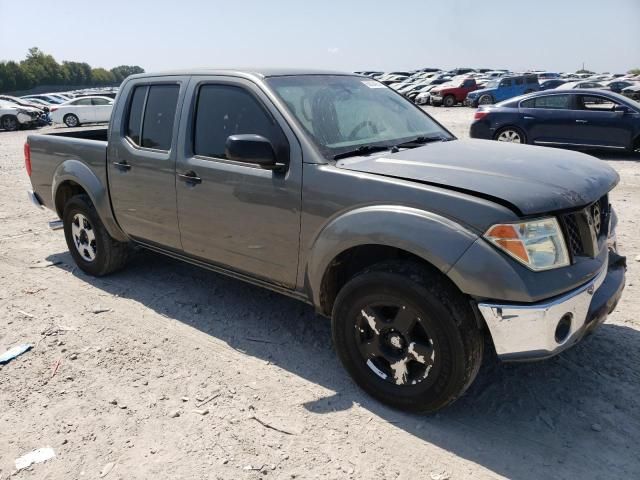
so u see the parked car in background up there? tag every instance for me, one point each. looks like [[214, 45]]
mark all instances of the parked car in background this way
[[632, 92], [548, 75], [40, 103], [573, 118], [424, 97], [618, 85], [452, 93], [24, 103], [41, 110], [14, 116], [552, 83], [585, 84], [83, 110], [460, 71], [503, 89], [50, 99]]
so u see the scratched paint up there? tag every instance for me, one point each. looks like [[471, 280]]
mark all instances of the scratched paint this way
[[371, 320]]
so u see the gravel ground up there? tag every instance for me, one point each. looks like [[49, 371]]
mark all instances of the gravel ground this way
[[165, 370]]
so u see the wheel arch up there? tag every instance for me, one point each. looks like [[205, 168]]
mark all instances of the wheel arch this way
[[369, 235], [73, 177]]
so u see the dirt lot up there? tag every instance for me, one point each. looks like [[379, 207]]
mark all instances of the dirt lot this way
[[136, 354]]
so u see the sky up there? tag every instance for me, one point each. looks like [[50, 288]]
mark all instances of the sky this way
[[554, 35]]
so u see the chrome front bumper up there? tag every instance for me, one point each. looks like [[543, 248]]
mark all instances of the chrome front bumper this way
[[541, 330]]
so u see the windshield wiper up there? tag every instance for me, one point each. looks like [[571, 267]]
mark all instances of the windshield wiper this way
[[361, 150], [422, 140]]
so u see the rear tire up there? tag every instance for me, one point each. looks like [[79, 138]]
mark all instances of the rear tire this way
[[449, 101], [423, 367], [9, 123], [89, 243], [71, 120], [510, 135]]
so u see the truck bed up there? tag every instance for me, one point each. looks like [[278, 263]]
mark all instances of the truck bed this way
[[77, 149], [93, 134]]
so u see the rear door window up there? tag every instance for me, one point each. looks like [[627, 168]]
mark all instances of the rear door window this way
[[100, 101], [506, 82], [519, 81], [152, 113], [559, 102]]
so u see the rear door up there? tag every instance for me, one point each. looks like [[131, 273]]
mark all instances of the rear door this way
[[548, 119], [83, 108], [238, 215], [142, 160], [599, 125], [102, 109]]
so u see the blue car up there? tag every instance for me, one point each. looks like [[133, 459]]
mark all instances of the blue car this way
[[571, 118], [502, 89]]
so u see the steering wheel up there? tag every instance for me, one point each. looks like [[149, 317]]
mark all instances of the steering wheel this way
[[360, 126]]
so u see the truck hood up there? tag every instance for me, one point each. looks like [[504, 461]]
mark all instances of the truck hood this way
[[529, 180]]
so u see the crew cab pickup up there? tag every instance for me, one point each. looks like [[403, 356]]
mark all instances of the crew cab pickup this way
[[451, 93], [337, 191]]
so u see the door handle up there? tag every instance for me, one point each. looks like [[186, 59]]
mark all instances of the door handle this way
[[581, 121], [122, 165], [529, 118], [190, 177]]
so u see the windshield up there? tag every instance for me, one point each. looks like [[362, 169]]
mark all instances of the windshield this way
[[492, 84], [343, 113]]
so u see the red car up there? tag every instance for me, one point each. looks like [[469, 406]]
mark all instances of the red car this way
[[449, 94]]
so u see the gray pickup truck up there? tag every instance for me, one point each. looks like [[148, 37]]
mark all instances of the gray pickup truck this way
[[335, 190]]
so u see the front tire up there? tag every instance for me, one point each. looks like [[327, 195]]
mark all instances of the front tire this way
[[89, 243], [9, 123], [449, 101], [407, 336], [485, 100], [71, 120]]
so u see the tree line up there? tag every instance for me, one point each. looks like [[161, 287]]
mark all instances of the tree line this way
[[39, 68]]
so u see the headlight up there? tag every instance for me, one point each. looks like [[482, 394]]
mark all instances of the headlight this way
[[538, 244]]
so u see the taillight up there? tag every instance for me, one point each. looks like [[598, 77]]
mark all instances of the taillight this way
[[480, 114], [27, 158]]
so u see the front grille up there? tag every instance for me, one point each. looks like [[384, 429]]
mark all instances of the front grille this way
[[585, 229], [574, 242]]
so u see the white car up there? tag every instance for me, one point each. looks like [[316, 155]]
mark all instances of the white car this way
[[82, 110], [14, 116]]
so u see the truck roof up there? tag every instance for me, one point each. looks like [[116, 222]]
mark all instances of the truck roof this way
[[243, 72]]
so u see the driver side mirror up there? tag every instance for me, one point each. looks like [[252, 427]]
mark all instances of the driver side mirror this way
[[621, 109], [250, 148]]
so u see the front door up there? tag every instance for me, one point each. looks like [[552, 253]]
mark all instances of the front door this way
[[238, 215], [142, 162], [601, 126]]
